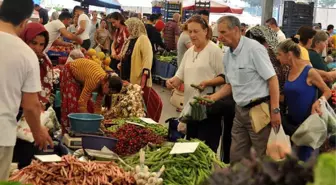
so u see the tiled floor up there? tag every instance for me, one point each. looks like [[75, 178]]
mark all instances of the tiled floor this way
[[168, 110]]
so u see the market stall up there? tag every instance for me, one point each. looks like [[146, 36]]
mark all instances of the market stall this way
[[165, 65]]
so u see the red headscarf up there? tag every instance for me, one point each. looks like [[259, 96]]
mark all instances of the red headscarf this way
[[30, 32]]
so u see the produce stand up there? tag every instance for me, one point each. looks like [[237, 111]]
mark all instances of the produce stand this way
[[165, 66]]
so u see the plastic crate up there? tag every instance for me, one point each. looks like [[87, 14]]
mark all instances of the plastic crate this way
[[171, 70], [57, 54], [161, 69]]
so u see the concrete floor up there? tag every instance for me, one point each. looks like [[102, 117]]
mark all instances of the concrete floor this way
[[168, 110]]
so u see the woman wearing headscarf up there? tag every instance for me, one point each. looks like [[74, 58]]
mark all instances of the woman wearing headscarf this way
[[37, 38], [268, 38], [137, 53]]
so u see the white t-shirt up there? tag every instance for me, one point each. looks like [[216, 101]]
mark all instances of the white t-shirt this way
[[86, 34], [281, 36], [53, 29], [197, 67], [19, 72]]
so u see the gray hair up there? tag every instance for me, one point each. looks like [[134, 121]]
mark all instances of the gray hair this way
[[54, 16], [320, 36], [230, 20]]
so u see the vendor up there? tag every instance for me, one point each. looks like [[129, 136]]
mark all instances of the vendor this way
[[79, 80], [36, 37]]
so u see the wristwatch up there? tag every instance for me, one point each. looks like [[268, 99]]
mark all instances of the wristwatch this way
[[276, 111]]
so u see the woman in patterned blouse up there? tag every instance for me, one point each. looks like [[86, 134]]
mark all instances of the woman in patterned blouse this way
[[79, 79]]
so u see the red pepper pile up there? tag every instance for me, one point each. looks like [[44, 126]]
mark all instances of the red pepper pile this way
[[131, 138]]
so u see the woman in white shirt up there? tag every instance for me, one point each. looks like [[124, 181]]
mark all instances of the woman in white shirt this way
[[201, 62]]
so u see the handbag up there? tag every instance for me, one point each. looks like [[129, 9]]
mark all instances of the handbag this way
[[177, 99]]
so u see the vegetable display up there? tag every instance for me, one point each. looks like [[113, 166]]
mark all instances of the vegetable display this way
[[268, 172], [131, 138], [128, 103], [186, 169], [71, 171], [158, 129]]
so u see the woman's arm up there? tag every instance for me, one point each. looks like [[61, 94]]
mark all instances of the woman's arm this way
[[85, 97], [98, 104], [146, 52], [315, 79]]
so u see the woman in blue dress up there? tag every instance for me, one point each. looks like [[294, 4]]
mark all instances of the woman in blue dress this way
[[300, 91]]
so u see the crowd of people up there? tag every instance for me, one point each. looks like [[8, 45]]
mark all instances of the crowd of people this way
[[259, 65]]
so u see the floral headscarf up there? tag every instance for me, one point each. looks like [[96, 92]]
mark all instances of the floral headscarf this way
[[136, 28], [46, 73], [266, 33]]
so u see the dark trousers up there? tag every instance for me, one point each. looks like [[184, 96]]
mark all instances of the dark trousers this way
[[114, 65], [86, 44]]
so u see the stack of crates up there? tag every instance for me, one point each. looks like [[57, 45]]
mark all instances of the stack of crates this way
[[199, 5], [296, 15], [169, 9]]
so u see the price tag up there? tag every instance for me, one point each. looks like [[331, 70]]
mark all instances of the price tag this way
[[148, 120], [48, 158], [184, 148]]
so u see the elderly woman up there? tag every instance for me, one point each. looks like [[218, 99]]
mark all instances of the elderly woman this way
[[79, 80], [300, 91], [204, 58], [137, 53]]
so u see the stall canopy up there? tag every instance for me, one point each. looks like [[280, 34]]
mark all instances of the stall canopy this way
[[215, 7], [113, 4]]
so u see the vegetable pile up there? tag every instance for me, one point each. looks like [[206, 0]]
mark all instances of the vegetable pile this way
[[131, 138], [128, 103], [268, 172], [72, 171], [186, 169], [158, 129]]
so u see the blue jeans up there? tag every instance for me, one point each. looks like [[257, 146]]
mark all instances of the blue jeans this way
[[304, 153]]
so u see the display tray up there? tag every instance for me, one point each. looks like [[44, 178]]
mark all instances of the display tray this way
[[57, 54]]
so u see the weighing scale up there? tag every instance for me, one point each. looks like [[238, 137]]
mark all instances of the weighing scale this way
[[73, 140]]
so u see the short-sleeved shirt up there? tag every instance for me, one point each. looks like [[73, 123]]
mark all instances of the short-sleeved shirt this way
[[53, 29], [182, 46], [44, 15], [19, 72], [248, 69], [304, 53], [170, 31], [197, 67], [317, 61], [281, 36], [86, 34]]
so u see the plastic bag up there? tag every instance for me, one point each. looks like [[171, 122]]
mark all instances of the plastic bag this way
[[328, 116], [312, 132], [75, 54], [278, 145], [193, 111], [48, 119]]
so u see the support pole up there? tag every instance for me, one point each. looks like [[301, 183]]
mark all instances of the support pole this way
[[267, 10]]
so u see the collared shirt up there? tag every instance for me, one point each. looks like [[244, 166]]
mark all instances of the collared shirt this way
[[170, 31], [247, 69]]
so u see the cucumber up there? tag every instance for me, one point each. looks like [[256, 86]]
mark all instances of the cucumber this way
[[204, 99], [197, 87]]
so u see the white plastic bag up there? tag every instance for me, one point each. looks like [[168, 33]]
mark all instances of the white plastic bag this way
[[328, 116], [312, 132], [278, 145], [47, 119]]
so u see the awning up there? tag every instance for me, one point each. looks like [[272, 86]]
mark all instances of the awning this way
[[216, 7], [113, 4]]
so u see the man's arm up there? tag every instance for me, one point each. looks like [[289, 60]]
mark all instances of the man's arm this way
[[274, 91], [225, 91], [65, 33], [82, 26], [59, 42]]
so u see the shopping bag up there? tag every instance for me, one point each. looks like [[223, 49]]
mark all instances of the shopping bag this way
[[48, 119], [278, 145], [177, 99], [98, 49], [312, 132], [328, 116], [260, 116]]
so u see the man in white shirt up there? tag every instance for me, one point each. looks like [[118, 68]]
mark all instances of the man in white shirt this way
[[84, 25], [272, 23], [19, 82], [57, 28]]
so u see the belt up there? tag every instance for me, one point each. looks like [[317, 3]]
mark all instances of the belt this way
[[256, 102]]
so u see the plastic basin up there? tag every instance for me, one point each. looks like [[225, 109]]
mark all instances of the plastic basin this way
[[98, 142], [84, 122]]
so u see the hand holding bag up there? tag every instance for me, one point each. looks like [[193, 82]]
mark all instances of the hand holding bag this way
[[278, 145]]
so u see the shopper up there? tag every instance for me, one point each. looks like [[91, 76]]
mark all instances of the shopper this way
[[160, 25], [94, 27], [249, 76], [137, 53], [44, 17], [84, 26], [319, 43], [171, 32], [272, 23], [120, 36], [300, 91], [102, 38], [268, 38], [330, 30], [79, 79], [201, 62], [306, 34], [20, 82], [57, 28], [243, 28], [54, 16], [183, 44], [205, 15], [153, 35]]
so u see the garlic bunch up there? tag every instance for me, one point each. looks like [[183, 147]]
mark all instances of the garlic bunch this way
[[144, 177]]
